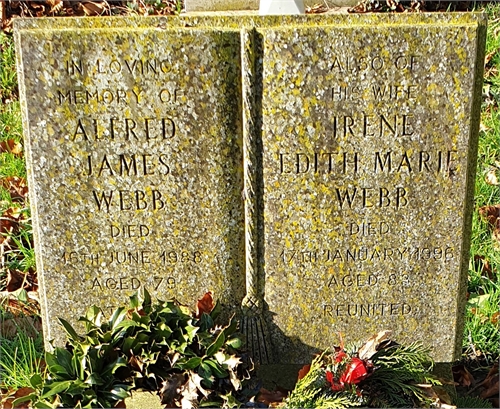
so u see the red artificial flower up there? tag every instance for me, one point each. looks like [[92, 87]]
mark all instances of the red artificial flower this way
[[356, 371], [334, 385], [340, 355]]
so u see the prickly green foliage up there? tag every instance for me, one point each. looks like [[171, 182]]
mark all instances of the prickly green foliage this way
[[141, 346]]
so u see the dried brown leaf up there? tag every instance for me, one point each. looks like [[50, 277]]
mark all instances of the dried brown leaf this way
[[2, 14], [15, 280], [317, 9], [491, 390], [495, 236], [11, 146], [92, 8], [19, 309], [303, 371], [489, 56], [372, 345], [483, 265], [189, 393], [136, 363], [483, 127], [442, 394], [491, 177], [171, 389], [9, 223], [55, 6], [16, 187], [495, 318], [120, 404], [204, 305], [491, 214], [462, 376], [271, 398], [19, 393]]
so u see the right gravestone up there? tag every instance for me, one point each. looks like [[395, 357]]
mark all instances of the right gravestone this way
[[369, 135]]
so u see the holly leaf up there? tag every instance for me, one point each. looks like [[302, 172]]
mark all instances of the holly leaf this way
[[189, 393], [170, 390]]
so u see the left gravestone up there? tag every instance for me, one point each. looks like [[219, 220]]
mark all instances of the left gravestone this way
[[134, 155]]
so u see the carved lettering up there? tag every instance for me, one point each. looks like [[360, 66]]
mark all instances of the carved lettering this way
[[127, 129]]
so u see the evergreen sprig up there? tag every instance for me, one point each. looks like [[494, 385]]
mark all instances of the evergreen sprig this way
[[399, 369], [312, 391], [394, 376]]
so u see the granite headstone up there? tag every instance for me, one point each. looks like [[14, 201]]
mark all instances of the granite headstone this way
[[134, 158], [318, 170]]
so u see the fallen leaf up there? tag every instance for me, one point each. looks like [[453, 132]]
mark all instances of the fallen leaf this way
[[495, 317], [170, 390], [9, 223], [316, 9], [16, 187], [204, 305], [483, 265], [11, 146], [373, 344], [120, 404], [92, 8], [189, 392], [483, 127], [136, 363], [491, 391], [19, 393], [490, 213], [56, 5], [15, 280], [491, 177], [462, 376], [271, 398], [443, 395], [487, 57], [303, 371]]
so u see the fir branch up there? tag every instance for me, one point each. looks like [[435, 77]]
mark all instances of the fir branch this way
[[312, 391], [308, 388], [397, 371]]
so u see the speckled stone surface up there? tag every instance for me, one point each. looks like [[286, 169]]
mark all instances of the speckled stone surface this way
[[134, 157], [224, 5], [369, 148], [365, 130]]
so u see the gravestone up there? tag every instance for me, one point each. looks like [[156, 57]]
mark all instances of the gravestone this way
[[135, 165], [324, 164], [369, 152]]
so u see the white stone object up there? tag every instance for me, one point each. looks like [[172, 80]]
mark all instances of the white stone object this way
[[269, 7]]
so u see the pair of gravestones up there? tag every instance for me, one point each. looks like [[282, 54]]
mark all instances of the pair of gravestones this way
[[314, 171]]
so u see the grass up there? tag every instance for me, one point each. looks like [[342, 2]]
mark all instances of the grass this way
[[21, 358], [482, 324]]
